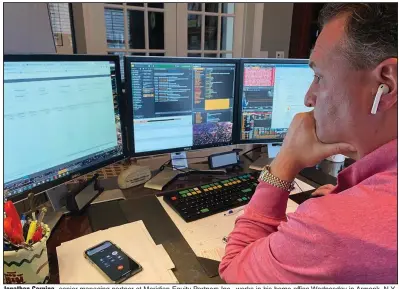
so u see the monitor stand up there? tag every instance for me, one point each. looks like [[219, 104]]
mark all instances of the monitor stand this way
[[272, 150], [57, 200], [168, 174]]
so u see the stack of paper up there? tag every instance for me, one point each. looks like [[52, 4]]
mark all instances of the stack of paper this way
[[133, 239], [205, 236]]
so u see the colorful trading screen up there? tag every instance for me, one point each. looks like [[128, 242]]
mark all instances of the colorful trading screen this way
[[183, 104], [271, 96]]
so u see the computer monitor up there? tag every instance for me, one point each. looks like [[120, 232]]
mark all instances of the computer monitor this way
[[61, 119], [180, 103], [271, 92]]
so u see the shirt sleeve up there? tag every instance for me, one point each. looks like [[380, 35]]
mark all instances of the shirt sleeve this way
[[266, 247]]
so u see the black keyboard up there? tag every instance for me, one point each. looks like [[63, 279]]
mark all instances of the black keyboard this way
[[205, 200]]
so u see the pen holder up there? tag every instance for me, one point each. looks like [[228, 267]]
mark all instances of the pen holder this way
[[28, 266]]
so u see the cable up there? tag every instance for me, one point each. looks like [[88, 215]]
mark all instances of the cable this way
[[170, 160], [190, 158], [161, 168], [298, 186], [195, 170], [247, 152]]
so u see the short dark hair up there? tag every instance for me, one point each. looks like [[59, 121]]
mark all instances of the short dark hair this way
[[371, 30]]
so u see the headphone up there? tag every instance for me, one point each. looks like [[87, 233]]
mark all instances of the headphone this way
[[382, 89]]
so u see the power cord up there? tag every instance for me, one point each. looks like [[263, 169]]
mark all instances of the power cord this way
[[298, 186], [251, 150], [195, 170]]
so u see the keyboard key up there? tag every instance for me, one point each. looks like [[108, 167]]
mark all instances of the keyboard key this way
[[199, 202]]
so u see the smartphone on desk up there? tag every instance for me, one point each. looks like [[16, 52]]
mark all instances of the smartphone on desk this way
[[116, 265]]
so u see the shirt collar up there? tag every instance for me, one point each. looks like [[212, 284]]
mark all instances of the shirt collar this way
[[382, 159]]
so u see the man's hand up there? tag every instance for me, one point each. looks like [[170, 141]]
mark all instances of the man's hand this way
[[301, 148], [323, 190]]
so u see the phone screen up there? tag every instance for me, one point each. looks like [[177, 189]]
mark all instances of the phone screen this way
[[112, 261]]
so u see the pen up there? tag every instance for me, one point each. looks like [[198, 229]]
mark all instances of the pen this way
[[32, 230], [26, 229], [23, 220], [31, 199], [229, 212], [37, 236], [41, 216], [232, 212]]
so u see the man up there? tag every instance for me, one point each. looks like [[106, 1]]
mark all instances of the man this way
[[350, 234]]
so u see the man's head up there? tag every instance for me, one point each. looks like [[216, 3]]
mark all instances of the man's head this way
[[355, 52]]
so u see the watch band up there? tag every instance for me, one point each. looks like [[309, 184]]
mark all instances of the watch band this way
[[267, 177]]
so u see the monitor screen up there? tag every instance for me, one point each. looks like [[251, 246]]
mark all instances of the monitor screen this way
[[60, 118], [181, 105], [271, 95]]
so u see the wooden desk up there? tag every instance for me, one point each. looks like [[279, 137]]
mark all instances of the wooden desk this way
[[72, 227]]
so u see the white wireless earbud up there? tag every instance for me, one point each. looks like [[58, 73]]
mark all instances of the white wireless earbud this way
[[382, 89]]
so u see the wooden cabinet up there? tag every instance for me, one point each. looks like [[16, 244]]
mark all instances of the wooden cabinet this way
[[304, 29]]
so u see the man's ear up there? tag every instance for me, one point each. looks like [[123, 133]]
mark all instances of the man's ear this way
[[387, 73]]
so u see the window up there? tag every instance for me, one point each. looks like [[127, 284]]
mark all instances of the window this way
[[210, 29], [60, 20], [135, 29]]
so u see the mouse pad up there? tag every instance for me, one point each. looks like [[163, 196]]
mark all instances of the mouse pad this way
[[318, 176], [102, 221], [211, 267], [302, 197]]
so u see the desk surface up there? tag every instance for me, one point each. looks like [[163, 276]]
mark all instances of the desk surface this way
[[72, 227]]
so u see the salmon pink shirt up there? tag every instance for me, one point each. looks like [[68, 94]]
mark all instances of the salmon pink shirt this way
[[348, 236]]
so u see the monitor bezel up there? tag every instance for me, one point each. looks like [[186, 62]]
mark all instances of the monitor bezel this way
[[122, 114], [128, 86], [244, 61]]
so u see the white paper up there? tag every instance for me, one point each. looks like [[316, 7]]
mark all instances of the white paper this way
[[205, 236], [133, 239]]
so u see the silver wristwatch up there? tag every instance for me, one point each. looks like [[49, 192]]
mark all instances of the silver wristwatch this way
[[267, 177]]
